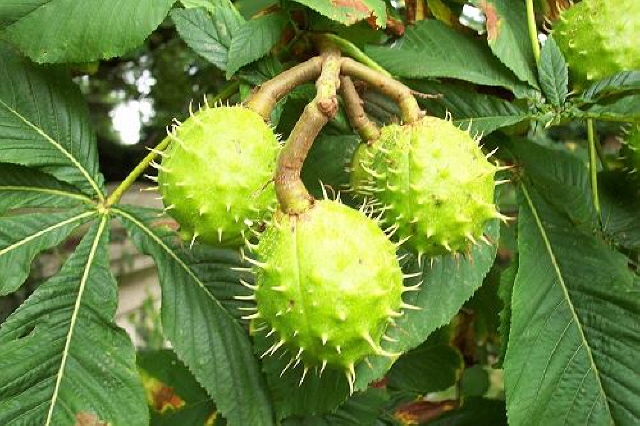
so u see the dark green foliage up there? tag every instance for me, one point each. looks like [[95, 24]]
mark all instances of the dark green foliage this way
[[536, 325]]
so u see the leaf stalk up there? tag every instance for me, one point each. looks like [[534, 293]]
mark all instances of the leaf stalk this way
[[533, 30], [593, 169]]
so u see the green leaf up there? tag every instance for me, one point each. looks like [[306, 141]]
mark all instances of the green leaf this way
[[507, 280], [627, 81], [553, 73], [71, 31], [253, 40], [574, 331], [474, 411], [349, 12], [620, 206], [10, 12], [448, 282], [450, 55], [433, 366], [249, 8], [481, 114], [62, 358], [508, 37], [203, 334], [168, 381], [316, 394], [25, 187], [22, 238], [209, 35], [44, 123], [561, 175], [221, 271], [328, 162], [624, 109], [363, 408]]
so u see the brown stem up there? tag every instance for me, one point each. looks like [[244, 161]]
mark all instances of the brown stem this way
[[410, 11], [291, 192], [394, 89], [358, 119], [265, 99]]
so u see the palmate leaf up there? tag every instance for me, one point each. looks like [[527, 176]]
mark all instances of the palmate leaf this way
[[62, 358], [349, 12], [23, 237], [451, 55], [73, 31], [433, 366], [26, 187], [208, 31], [479, 113], [44, 123], [173, 394], [508, 37], [575, 334], [626, 81], [553, 73], [361, 409], [620, 207], [624, 109], [253, 40], [314, 395], [448, 282], [474, 411], [328, 162], [204, 335]]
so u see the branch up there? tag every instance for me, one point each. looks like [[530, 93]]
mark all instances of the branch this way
[[265, 99], [291, 192], [349, 49], [397, 91], [358, 119]]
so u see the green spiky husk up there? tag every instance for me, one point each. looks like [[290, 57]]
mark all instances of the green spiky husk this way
[[329, 282], [630, 153], [599, 38], [216, 175], [433, 182]]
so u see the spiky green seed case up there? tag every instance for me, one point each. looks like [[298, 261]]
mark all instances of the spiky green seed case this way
[[431, 181], [599, 38], [215, 177], [328, 281]]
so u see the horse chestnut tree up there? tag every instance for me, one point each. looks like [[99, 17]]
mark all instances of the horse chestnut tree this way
[[412, 212]]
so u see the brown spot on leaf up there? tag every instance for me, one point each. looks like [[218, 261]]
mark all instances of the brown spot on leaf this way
[[89, 419], [419, 412], [164, 397], [359, 10], [358, 5], [493, 20], [160, 396]]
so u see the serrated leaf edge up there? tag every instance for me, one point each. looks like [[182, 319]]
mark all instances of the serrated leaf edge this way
[[74, 316], [168, 250], [556, 268], [44, 231], [60, 148]]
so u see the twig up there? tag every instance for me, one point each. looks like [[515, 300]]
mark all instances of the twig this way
[[349, 49], [291, 192], [397, 91], [358, 119], [265, 99]]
